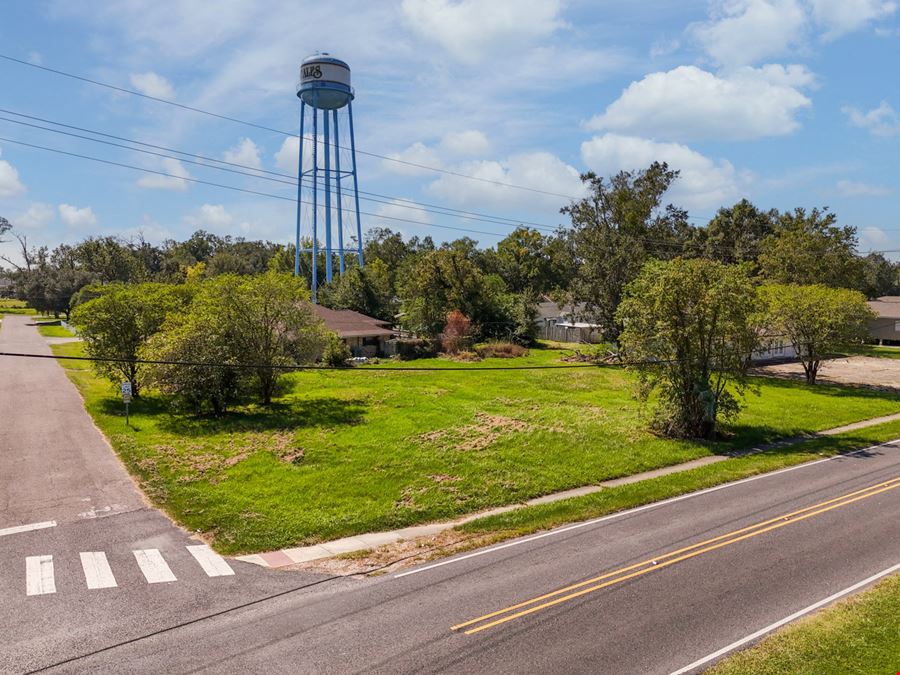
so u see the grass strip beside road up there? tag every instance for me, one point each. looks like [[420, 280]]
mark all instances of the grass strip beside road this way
[[345, 452], [531, 519], [858, 635], [51, 330]]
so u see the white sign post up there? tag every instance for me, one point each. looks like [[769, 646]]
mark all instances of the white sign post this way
[[126, 398]]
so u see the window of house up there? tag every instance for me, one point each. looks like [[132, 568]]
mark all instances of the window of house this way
[[897, 326]]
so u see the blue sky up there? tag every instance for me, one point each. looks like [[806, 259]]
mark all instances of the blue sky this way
[[786, 102]]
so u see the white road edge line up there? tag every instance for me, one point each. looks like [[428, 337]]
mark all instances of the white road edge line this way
[[97, 572], [27, 528], [212, 563], [786, 620], [638, 509], [39, 579], [156, 570]]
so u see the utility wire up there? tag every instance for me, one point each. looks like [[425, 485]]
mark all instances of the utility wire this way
[[275, 175], [660, 243], [274, 130]]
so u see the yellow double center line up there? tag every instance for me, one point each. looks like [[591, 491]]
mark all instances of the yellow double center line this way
[[653, 564]]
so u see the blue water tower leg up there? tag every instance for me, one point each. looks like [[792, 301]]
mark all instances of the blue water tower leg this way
[[328, 252], [314, 280], [359, 240], [340, 201], [299, 192]]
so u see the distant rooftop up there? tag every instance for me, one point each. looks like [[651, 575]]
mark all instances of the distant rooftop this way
[[886, 307], [347, 323]]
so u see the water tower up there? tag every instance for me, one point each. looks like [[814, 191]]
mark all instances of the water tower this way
[[325, 198]]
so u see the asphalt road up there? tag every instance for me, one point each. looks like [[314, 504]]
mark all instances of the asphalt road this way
[[655, 589]]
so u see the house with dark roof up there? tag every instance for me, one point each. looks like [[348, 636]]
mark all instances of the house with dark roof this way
[[365, 335], [886, 327]]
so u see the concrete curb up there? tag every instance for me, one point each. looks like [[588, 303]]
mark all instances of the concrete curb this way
[[360, 542]]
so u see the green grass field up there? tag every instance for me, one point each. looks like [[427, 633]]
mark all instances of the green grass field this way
[[873, 350], [860, 635], [344, 452], [55, 331], [10, 306]]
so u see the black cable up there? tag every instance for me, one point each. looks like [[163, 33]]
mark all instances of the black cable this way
[[273, 176]]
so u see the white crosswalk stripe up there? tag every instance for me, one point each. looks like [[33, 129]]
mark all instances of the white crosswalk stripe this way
[[39, 579], [212, 563], [156, 570], [97, 572]]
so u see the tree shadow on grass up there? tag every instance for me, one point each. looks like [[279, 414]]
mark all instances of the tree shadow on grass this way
[[327, 412]]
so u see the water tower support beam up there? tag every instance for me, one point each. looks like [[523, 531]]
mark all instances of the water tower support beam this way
[[340, 202], [359, 240], [314, 280], [299, 192], [328, 178]]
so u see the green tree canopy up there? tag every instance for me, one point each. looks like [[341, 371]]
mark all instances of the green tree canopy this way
[[688, 331], [810, 248], [816, 319], [735, 234], [615, 230]]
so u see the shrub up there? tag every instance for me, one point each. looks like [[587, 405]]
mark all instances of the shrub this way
[[457, 332], [408, 350], [501, 350], [336, 353]]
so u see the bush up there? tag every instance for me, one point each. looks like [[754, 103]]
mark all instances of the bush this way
[[408, 350], [336, 353], [457, 333], [501, 350]]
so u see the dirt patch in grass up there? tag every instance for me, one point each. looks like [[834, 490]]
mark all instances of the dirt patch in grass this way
[[486, 430], [399, 555]]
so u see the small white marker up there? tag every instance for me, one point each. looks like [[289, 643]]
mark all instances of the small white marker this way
[[212, 563], [97, 572], [39, 578], [154, 566]]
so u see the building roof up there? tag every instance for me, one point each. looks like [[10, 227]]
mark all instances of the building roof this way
[[886, 307], [347, 323], [548, 309]]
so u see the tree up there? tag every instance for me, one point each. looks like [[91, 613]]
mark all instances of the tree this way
[[118, 322], [615, 230], [735, 233], [688, 332], [816, 319], [880, 276], [268, 322], [524, 262], [5, 226], [457, 332], [367, 290], [810, 248]]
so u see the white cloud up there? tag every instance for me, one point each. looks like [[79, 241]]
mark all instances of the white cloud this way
[[848, 188], [703, 183], [152, 84], [539, 170], [245, 153], [688, 103], [742, 32], [210, 217], [75, 217], [35, 58], [174, 181], [470, 143], [839, 17], [872, 238], [472, 29], [417, 153], [881, 121], [10, 185], [403, 210], [286, 157], [38, 215]]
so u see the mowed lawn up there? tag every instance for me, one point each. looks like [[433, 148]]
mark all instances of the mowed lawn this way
[[345, 452]]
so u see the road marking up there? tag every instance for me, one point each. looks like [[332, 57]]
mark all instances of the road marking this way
[[212, 563], [27, 528], [154, 566], [638, 509], [786, 620], [97, 572], [654, 564], [39, 575]]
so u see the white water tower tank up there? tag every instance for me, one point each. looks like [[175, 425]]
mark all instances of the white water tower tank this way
[[324, 82]]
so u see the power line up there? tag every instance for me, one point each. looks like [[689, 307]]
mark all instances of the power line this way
[[275, 175], [274, 130], [652, 242]]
